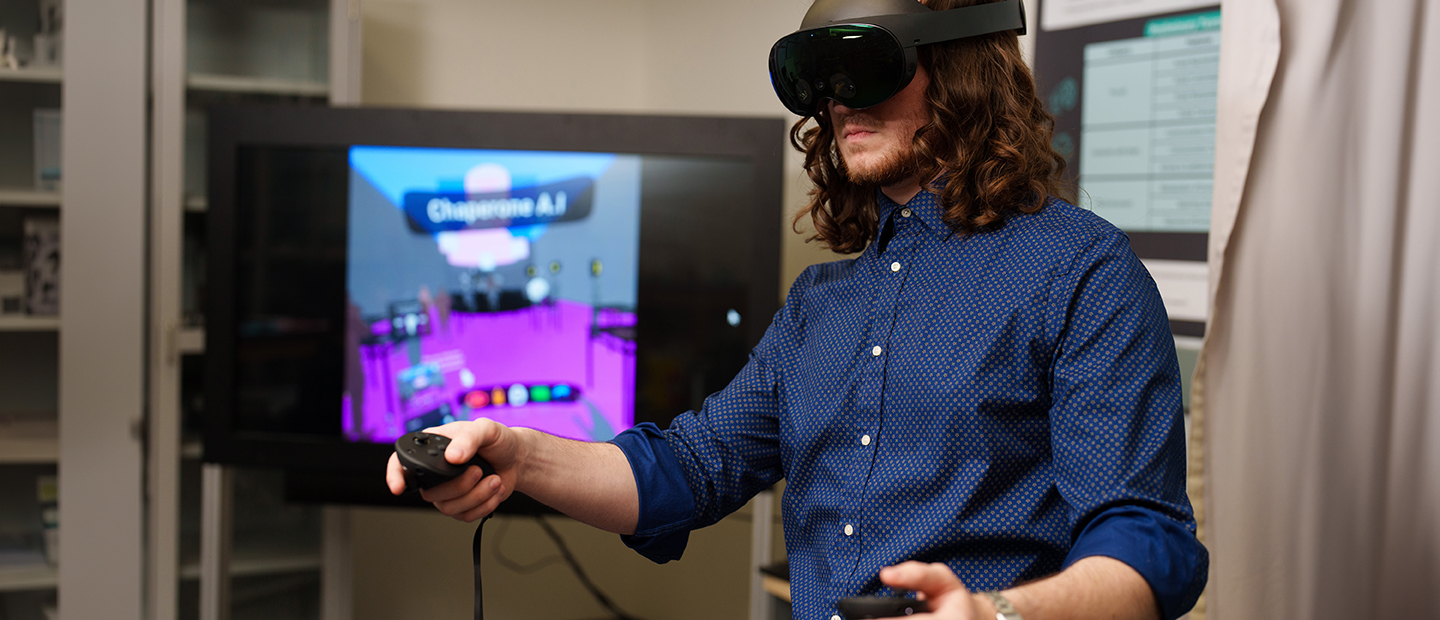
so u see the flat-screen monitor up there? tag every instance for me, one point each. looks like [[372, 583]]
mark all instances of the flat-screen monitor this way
[[378, 271]]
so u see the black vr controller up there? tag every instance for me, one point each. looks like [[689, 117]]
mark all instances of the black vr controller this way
[[858, 607], [422, 455]]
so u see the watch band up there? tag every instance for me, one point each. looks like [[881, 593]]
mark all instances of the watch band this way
[[1003, 609]]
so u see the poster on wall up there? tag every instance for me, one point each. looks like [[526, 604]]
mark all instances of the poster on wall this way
[[1062, 14], [1132, 86]]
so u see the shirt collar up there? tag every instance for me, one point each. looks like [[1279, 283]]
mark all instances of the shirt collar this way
[[925, 206]]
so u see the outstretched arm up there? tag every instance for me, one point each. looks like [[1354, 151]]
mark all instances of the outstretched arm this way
[[590, 482]]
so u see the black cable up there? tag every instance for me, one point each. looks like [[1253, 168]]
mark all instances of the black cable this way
[[579, 572], [475, 556]]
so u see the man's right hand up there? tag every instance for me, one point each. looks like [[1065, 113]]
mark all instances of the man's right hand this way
[[591, 482], [470, 496]]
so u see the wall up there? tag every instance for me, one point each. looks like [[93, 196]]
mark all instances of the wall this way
[[626, 56], [412, 564]]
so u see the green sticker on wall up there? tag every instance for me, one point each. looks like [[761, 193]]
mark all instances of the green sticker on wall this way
[[1184, 24]]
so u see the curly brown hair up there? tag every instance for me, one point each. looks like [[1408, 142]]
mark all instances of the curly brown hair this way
[[986, 146]]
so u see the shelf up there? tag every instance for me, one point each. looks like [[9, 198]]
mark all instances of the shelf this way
[[776, 587], [29, 452], [44, 577], [26, 323], [1190, 343], [29, 198], [28, 577], [32, 74], [260, 86], [15, 451], [29, 440], [260, 565]]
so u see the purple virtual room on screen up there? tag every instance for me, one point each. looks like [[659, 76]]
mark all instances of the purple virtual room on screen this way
[[496, 284]]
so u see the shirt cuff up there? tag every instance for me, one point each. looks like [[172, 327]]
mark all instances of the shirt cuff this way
[[667, 506], [1164, 551]]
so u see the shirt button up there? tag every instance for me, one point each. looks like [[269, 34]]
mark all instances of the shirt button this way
[[895, 266], [849, 529], [905, 212], [864, 440], [875, 351]]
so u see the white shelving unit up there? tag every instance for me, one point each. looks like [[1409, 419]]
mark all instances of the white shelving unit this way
[[199, 52], [205, 52], [29, 438]]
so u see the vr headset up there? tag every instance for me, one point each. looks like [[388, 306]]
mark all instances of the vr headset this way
[[861, 52]]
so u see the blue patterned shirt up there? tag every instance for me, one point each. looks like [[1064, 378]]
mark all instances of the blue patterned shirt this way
[[1006, 402]]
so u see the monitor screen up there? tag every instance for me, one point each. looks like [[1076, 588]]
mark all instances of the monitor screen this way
[[491, 283], [376, 272]]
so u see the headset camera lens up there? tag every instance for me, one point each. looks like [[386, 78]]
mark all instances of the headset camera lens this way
[[842, 86], [802, 91]]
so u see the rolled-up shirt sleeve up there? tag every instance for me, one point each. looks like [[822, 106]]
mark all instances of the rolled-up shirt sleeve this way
[[1162, 549], [667, 506], [1116, 424]]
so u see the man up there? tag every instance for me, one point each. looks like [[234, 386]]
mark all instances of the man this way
[[983, 407]]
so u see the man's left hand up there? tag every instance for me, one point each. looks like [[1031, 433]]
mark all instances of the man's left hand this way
[[949, 599]]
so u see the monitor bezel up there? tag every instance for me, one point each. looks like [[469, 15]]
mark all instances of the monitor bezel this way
[[759, 140]]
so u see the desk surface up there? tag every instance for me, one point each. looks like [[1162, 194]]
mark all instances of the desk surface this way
[[775, 578], [776, 587]]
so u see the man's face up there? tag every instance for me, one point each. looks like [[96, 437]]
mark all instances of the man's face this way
[[877, 143]]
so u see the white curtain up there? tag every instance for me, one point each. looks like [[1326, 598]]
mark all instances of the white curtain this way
[[1318, 393]]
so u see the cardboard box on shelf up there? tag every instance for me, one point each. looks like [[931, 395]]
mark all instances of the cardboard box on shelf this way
[[42, 265]]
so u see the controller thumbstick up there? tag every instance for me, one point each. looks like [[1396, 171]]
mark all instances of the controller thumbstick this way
[[427, 467]]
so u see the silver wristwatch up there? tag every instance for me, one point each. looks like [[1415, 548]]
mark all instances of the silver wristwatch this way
[[1003, 609]]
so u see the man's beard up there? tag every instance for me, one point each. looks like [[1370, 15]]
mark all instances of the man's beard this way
[[894, 168]]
